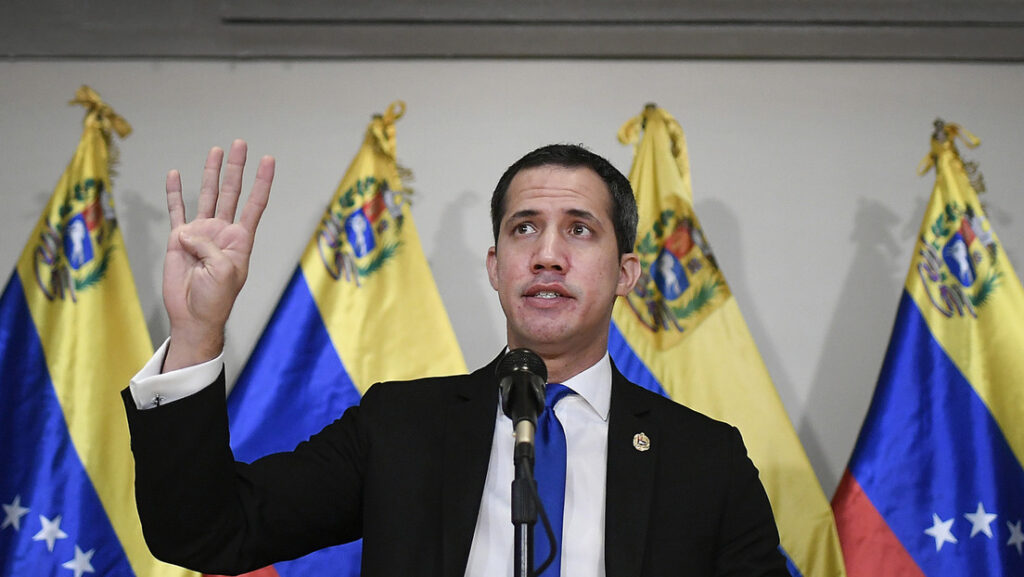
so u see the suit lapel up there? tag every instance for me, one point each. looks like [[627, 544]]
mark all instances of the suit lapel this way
[[630, 478], [469, 430]]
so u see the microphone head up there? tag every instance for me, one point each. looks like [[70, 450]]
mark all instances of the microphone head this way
[[522, 360], [521, 377]]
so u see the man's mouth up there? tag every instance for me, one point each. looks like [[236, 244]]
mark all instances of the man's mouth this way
[[548, 293]]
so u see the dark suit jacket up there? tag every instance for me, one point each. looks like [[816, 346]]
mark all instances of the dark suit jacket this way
[[405, 471]]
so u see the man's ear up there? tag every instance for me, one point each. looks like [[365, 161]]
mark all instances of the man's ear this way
[[492, 267], [629, 272]]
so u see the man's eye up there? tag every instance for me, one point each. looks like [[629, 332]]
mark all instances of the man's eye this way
[[580, 229], [524, 228]]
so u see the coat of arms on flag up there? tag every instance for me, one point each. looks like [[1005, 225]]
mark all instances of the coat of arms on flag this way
[[361, 230], [680, 282], [956, 260]]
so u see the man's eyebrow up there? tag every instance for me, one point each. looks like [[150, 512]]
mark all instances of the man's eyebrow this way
[[526, 213], [574, 212], [584, 214]]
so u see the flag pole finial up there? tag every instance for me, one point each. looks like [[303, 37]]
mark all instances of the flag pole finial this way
[[944, 138], [100, 114], [631, 130], [382, 128]]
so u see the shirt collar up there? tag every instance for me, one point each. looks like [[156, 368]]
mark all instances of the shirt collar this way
[[594, 385]]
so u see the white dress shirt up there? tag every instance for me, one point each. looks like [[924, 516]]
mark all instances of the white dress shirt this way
[[584, 417]]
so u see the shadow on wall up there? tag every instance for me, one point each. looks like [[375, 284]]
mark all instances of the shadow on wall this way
[[145, 245], [724, 235], [465, 299], [862, 322]]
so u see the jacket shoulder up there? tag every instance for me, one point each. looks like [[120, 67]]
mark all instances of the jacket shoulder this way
[[668, 411]]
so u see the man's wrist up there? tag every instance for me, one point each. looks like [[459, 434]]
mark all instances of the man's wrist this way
[[190, 346]]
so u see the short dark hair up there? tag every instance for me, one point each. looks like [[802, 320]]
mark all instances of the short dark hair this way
[[623, 213]]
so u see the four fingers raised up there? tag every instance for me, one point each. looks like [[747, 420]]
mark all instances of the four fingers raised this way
[[220, 199]]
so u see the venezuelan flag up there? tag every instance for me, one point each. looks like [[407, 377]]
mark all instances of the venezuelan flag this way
[[935, 485], [680, 333], [71, 334], [361, 307]]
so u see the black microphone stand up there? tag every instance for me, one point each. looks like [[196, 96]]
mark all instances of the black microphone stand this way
[[524, 503]]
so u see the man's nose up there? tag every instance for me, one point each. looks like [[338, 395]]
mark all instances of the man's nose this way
[[550, 252]]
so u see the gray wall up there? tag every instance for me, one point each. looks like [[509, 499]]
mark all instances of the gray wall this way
[[803, 172]]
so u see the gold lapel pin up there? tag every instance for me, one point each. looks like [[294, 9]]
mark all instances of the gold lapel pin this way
[[641, 442]]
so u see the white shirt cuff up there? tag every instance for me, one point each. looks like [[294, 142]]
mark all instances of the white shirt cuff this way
[[151, 389]]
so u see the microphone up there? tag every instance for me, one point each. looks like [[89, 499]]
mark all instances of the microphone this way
[[521, 377]]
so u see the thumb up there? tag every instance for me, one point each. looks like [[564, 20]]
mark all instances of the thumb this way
[[199, 247]]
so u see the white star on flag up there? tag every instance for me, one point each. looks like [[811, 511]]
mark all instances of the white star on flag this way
[[1016, 536], [81, 563], [50, 532], [13, 514], [941, 531], [981, 522]]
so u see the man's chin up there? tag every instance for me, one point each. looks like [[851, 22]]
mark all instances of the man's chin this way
[[551, 342]]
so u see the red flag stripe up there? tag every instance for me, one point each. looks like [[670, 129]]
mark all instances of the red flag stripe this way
[[869, 546]]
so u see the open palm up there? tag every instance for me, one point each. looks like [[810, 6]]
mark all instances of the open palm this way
[[207, 259]]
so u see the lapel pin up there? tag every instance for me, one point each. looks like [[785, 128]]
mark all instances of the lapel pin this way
[[641, 442]]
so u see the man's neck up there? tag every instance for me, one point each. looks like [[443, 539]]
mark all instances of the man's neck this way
[[563, 367]]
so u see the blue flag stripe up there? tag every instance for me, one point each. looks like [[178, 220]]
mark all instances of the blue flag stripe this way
[[948, 456], [39, 461], [294, 383], [629, 364], [338, 561], [634, 369], [790, 565]]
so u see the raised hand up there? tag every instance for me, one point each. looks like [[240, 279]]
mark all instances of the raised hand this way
[[208, 258]]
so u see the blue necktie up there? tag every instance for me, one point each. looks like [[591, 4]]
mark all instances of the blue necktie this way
[[549, 471]]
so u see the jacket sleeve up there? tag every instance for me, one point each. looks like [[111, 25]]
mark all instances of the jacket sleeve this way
[[203, 510], [749, 540]]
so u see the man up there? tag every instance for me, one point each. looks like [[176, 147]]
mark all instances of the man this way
[[421, 470]]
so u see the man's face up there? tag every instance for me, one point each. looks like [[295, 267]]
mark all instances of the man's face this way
[[556, 265]]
